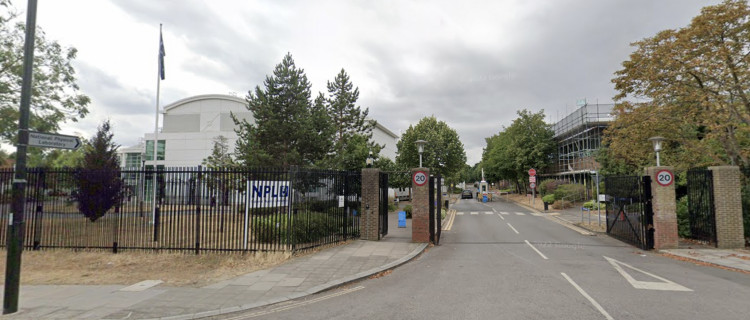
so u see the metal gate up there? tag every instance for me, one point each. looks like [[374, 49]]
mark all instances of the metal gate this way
[[701, 205], [630, 217], [435, 216], [384, 202]]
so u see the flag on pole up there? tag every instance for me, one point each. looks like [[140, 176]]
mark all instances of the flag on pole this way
[[161, 55]]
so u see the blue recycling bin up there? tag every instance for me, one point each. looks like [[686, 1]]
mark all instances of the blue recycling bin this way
[[484, 198], [402, 219]]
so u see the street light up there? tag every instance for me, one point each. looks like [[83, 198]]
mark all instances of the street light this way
[[420, 149], [369, 160], [657, 147]]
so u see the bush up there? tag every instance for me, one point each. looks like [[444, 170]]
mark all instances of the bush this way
[[307, 227], [569, 191], [683, 218], [549, 186], [408, 209], [562, 204], [391, 207], [591, 205], [550, 198]]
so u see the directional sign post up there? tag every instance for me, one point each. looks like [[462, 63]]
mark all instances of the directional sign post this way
[[532, 181], [51, 140]]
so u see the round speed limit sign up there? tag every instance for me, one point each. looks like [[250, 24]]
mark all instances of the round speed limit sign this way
[[664, 178], [420, 178]]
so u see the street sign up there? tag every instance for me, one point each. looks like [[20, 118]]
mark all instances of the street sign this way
[[532, 172], [532, 179], [420, 178], [664, 178], [532, 185], [51, 140]]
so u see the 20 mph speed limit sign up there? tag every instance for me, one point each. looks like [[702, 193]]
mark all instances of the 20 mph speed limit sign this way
[[420, 178], [664, 178]]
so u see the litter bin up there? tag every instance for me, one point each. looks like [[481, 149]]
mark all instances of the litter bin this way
[[546, 206], [446, 204]]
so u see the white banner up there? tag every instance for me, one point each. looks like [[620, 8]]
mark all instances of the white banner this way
[[267, 194]]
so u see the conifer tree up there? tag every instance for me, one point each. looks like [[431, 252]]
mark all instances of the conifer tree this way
[[99, 181]]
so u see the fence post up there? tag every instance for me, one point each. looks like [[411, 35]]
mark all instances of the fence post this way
[[199, 187], [293, 170], [730, 233], [369, 221]]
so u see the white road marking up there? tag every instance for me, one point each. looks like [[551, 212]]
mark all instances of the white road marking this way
[[588, 297], [501, 217], [505, 213], [535, 249], [488, 212], [473, 213], [514, 229], [460, 213], [664, 285], [536, 214], [520, 214], [298, 304]]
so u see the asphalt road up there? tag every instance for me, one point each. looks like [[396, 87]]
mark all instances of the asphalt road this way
[[499, 261]]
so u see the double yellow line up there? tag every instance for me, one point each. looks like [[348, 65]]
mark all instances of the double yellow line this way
[[449, 222]]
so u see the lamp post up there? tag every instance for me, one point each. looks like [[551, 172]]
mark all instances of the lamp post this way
[[420, 149], [657, 147], [369, 160]]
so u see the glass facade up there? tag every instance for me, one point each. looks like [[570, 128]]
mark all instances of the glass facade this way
[[133, 160], [159, 151]]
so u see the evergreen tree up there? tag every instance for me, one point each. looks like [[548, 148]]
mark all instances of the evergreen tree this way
[[284, 128], [99, 182]]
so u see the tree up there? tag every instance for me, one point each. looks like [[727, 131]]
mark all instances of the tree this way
[[220, 159], [55, 96], [444, 153], [99, 181], [352, 132], [696, 83], [284, 128], [220, 156]]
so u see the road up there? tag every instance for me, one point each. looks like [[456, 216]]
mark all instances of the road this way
[[499, 261]]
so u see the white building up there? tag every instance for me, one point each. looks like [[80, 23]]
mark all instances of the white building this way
[[191, 125]]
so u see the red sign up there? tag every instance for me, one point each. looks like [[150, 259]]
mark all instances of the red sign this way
[[420, 178], [664, 178], [532, 179], [532, 172]]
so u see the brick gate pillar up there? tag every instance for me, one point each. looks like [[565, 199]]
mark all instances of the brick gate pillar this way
[[664, 204], [728, 207], [420, 206], [369, 222]]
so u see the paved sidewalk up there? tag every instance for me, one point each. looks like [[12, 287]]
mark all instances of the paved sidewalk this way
[[296, 278]]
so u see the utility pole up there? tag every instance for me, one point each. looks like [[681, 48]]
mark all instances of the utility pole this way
[[16, 224]]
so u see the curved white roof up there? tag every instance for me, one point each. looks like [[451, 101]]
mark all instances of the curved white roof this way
[[187, 100]]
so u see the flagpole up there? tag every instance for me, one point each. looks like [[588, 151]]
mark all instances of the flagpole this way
[[159, 75]]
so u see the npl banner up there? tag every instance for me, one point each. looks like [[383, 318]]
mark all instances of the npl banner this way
[[268, 194]]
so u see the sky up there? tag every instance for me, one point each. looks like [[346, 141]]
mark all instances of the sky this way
[[471, 64]]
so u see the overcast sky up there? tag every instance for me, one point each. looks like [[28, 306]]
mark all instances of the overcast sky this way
[[471, 64]]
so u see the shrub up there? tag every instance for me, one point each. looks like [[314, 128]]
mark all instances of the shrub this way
[[391, 207], [683, 218], [306, 227], [562, 204], [569, 191], [408, 209], [550, 198], [549, 186], [591, 205]]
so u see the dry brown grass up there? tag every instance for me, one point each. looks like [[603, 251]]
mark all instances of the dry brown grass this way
[[77, 267]]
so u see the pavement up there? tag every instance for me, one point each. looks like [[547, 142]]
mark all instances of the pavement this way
[[296, 278], [732, 259]]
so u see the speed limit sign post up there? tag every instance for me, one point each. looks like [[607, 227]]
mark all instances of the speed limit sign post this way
[[664, 178]]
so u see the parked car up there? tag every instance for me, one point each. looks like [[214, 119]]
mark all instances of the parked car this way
[[467, 194]]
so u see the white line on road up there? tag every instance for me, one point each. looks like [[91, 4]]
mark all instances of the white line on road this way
[[501, 217], [473, 213], [488, 212], [493, 210], [587, 296], [514, 229], [505, 213], [460, 213], [665, 285], [520, 214], [535, 249]]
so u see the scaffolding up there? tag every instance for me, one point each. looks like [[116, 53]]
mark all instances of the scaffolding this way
[[578, 136]]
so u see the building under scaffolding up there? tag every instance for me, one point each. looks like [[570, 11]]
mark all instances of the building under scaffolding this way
[[578, 137]]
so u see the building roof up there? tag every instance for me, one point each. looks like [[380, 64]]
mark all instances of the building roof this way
[[202, 97]]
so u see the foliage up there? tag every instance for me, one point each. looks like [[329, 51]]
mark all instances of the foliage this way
[[569, 191], [562, 204], [220, 156], [696, 84], [550, 198], [549, 186], [285, 131], [408, 209], [99, 182], [444, 153], [591, 205], [683, 218], [306, 227], [526, 144], [55, 96]]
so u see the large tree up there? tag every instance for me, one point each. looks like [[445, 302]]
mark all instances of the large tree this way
[[55, 96], [695, 82], [285, 132], [98, 178], [444, 153]]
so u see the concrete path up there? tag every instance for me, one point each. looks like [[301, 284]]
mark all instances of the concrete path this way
[[296, 278]]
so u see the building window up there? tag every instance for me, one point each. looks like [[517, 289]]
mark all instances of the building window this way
[[159, 152], [133, 160]]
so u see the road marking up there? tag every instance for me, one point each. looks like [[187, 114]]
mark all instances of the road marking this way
[[460, 213], [588, 297], [520, 214], [488, 212], [473, 213], [451, 219], [505, 213], [514, 229], [493, 210], [535, 249], [536, 214], [298, 304], [664, 285], [501, 217]]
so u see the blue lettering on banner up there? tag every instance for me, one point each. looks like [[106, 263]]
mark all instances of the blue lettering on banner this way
[[269, 194]]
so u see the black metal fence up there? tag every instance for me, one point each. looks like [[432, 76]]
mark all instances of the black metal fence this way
[[629, 212], [435, 215], [746, 203], [383, 205], [701, 214], [193, 209]]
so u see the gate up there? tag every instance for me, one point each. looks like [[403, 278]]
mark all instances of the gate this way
[[630, 217], [701, 205], [435, 198], [384, 202]]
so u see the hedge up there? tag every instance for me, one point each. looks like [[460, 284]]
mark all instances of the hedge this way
[[307, 227]]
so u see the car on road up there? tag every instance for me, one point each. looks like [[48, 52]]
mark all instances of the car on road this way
[[467, 194]]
